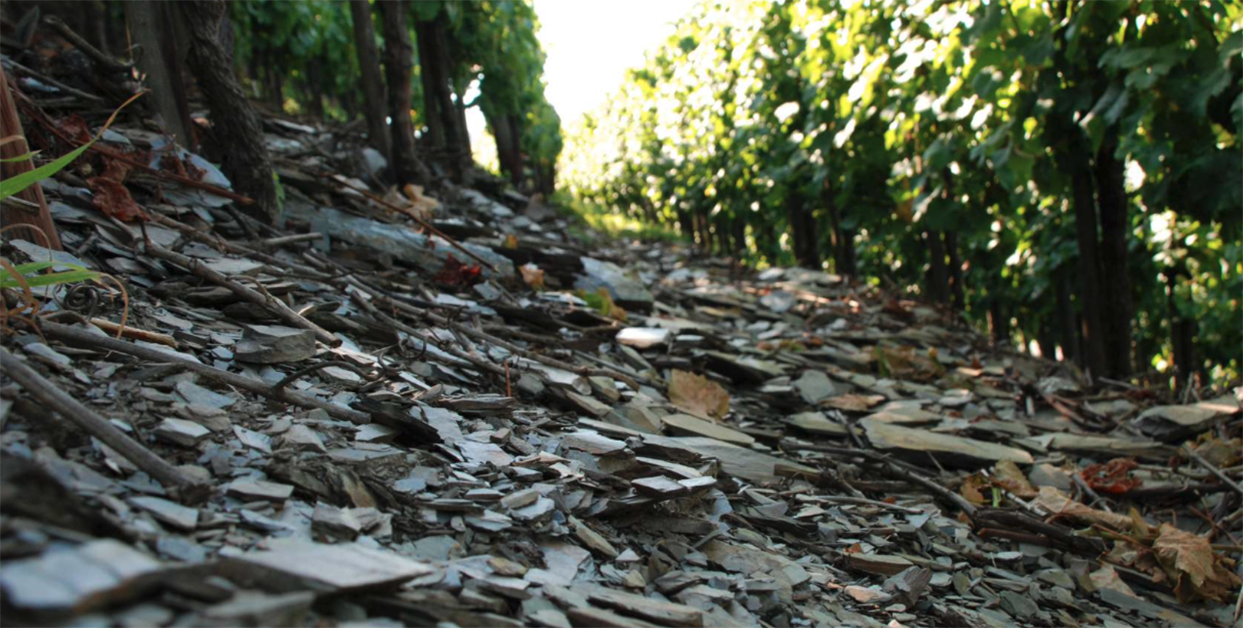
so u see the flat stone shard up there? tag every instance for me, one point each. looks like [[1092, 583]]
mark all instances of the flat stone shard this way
[[77, 579], [738, 461], [272, 344], [625, 289], [181, 432], [1172, 422], [172, 513], [327, 568], [259, 489], [249, 608], [665, 613], [879, 564], [948, 449], [642, 337], [687, 424]]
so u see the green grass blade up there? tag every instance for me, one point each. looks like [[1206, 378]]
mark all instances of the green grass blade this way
[[12, 186], [53, 279]]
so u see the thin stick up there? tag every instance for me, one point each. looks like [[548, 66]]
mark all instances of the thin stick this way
[[1226, 524], [135, 333], [1214, 470], [54, 398], [72, 91], [289, 239], [77, 336], [427, 339], [294, 376], [275, 306], [508, 346], [896, 469], [1083, 486], [85, 46], [224, 246]]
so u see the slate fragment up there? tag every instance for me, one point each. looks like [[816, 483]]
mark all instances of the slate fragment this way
[[273, 344]]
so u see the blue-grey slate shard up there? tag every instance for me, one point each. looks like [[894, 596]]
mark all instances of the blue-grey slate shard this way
[[401, 242], [623, 287]]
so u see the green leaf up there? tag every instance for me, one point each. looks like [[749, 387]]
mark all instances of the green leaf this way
[[1231, 48], [54, 279], [26, 157], [426, 11], [13, 185], [78, 274], [33, 267], [1237, 108]]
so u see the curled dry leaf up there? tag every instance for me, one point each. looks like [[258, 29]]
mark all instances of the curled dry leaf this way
[[1189, 560], [1008, 476], [1111, 477], [111, 196], [1059, 504], [973, 488], [698, 395]]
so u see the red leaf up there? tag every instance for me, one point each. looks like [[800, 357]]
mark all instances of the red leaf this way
[[111, 196], [1111, 477], [76, 128], [457, 274]]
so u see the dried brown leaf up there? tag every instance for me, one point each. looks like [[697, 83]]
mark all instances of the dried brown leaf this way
[[698, 395], [1008, 476], [1189, 559], [532, 275], [1059, 504]]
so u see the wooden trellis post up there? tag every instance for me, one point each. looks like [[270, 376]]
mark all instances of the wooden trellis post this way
[[34, 211]]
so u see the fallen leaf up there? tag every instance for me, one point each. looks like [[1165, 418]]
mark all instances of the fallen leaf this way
[[972, 488], [602, 301], [455, 273], [1059, 504], [532, 275], [75, 127], [698, 395], [412, 202], [852, 402], [419, 202], [1111, 477], [1107, 578], [511, 242], [1008, 476], [905, 363], [1189, 559], [1218, 452], [111, 196]]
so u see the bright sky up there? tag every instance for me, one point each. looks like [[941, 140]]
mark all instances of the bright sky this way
[[590, 44]]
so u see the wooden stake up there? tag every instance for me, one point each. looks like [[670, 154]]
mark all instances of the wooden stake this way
[[42, 217]]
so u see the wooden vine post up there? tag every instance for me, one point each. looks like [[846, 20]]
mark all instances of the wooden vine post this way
[[34, 210]]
